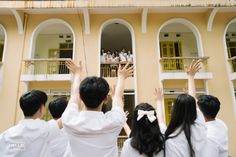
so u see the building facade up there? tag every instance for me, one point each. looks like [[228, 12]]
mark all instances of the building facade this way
[[159, 37]]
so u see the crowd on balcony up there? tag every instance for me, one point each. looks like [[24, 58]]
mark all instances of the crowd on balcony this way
[[115, 57]]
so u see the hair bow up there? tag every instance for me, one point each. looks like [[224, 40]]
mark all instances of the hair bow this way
[[150, 115]]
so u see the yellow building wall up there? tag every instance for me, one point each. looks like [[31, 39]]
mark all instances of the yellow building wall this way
[[219, 85], [87, 49], [10, 72]]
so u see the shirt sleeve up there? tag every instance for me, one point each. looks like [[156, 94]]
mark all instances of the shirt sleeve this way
[[116, 117], [125, 150], [53, 129], [70, 112], [162, 127], [210, 149], [199, 132], [172, 150]]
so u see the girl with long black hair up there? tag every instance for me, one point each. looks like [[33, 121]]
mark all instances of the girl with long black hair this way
[[186, 133]]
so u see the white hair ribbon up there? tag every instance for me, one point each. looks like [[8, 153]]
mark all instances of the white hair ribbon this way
[[150, 115]]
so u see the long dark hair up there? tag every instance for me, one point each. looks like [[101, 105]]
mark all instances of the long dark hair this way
[[183, 116], [146, 137]]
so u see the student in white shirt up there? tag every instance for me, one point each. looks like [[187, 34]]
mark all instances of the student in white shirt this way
[[60, 143], [122, 57], [130, 57], [186, 133], [91, 132], [31, 136], [109, 56], [146, 138], [217, 131]]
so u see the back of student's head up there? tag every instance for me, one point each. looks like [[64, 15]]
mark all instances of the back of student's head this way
[[57, 107], [183, 115], [146, 135], [93, 90], [209, 105], [31, 102]]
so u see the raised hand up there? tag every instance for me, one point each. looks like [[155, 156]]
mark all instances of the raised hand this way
[[194, 67], [126, 71], [73, 67], [158, 94], [126, 115], [77, 71], [112, 91], [191, 71]]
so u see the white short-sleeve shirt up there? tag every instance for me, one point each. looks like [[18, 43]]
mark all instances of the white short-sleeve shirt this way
[[59, 144], [129, 151], [178, 146], [29, 138], [93, 133], [217, 139]]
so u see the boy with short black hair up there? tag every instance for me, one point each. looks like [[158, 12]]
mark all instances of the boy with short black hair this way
[[217, 131], [90, 131], [60, 143], [31, 136], [57, 107]]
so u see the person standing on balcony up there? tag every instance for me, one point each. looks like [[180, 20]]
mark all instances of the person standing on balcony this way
[[146, 136], [117, 56], [217, 131], [123, 56], [186, 133], [109, 56], [32, 136], [90, 131], [130, 57], [104, 57], [60, 143]]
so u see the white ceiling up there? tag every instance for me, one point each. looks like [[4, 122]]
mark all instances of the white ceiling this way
[[115, 29], [176, 27], [1, 31], [115, 37], [56, 29], [232, 27]]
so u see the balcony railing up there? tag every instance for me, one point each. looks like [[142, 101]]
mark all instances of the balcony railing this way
[[232, 62], [46, 66], [176, 64], [109, 69], [120, 142]]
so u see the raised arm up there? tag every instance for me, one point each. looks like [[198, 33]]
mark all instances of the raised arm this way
[[191, 71], [123, 73], [126, 126], [77, 72], [158, 94]]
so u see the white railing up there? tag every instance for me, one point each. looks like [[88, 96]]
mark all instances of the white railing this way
[[177, 64], [109, 69], [46, 66], [232, 62]]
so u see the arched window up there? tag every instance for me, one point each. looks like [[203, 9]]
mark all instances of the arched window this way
[[2, 42], [179, 42], [52, 44], [117, 46]]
